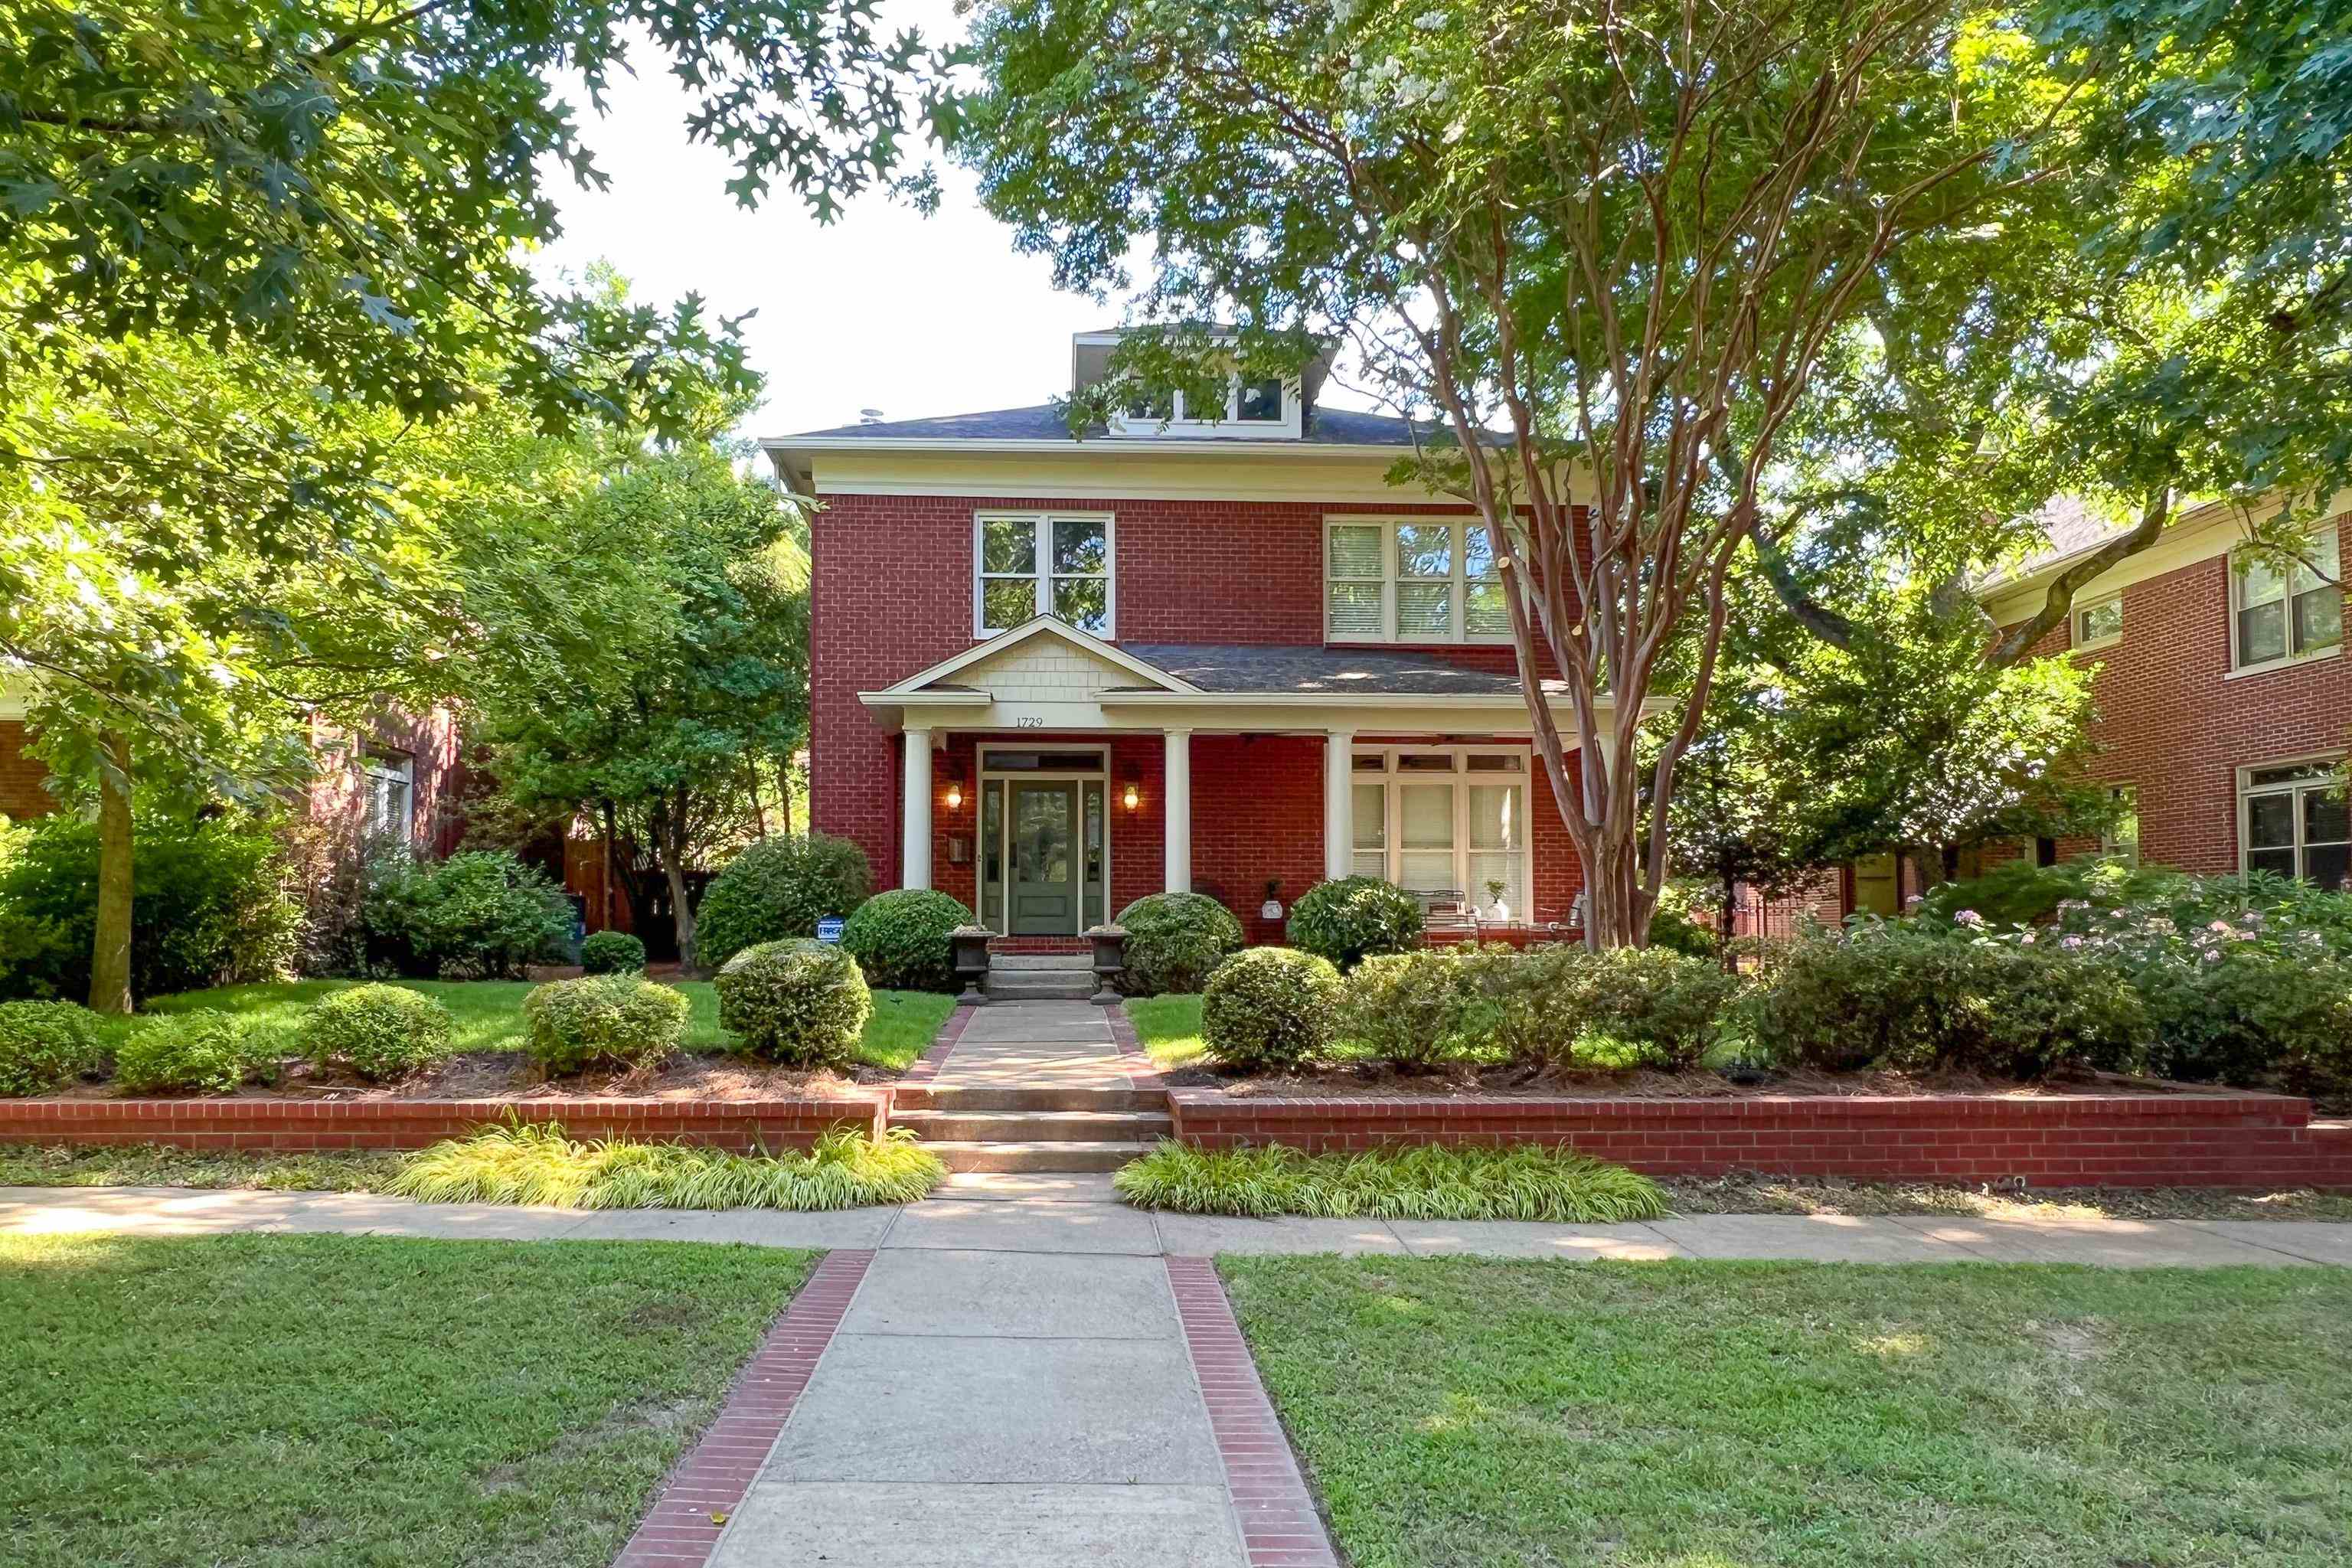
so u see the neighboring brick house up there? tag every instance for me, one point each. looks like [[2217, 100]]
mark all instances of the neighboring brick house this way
[[1051, 676], [403, 778], [2224, 704]]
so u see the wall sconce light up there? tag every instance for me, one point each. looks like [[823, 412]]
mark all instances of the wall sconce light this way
[[955, 794], [1131, 796]]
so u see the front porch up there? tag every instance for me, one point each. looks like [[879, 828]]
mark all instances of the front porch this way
[[1048, 779]]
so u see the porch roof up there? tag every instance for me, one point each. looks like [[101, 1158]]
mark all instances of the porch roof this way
[[1310, 670]]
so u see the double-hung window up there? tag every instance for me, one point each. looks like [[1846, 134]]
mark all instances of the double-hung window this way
[[1449, 820], [2279, 616], [2294, 820], [1411, 579], [1042, 563], [389, 783]]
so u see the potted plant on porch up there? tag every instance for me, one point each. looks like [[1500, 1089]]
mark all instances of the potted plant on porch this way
[[971, 950], [1496, 910]]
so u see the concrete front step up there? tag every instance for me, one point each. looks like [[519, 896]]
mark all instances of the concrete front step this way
[[1004, 963], [1034, 1126], [1103, 1155], [943, 1094]]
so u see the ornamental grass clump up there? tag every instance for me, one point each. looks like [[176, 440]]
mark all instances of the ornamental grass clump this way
[[534, 1162], [1524, 1182]]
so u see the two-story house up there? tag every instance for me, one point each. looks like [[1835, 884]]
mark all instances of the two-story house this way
[[2224, 704], [1212, 649]]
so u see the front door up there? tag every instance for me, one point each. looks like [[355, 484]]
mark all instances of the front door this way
[[1044, 890]]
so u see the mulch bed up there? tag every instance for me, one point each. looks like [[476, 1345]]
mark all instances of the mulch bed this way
[[509, 1075]]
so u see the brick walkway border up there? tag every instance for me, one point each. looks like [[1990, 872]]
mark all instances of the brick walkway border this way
[[1133, 1061], [679, 1531], [1280, 1528]]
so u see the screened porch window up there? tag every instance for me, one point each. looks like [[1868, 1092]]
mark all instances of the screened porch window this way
[[1446, 820]]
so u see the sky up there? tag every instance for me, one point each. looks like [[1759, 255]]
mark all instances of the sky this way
[[884, 308]]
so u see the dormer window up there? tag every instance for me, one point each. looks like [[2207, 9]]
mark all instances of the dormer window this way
[[1257, 406]]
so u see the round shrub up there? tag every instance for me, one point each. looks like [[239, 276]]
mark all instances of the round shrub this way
[[900, 940], [603, 1020], [476, 915], [1417, 1009], [775, 889], [1174, 941], [45, 1045], [797, 1001], [211, 1053], [1355, 918], [612, 953], [1269, 1007], [379, 1032]]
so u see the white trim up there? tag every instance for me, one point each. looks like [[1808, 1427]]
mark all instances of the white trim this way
[[1041, 573], [1038, 626], [2246, 793], [2273, 666], [2083, 607], [1391, 576], [1004, 846]]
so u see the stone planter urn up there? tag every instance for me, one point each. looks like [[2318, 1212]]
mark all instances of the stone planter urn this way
[[1110, 962], [970, 945]]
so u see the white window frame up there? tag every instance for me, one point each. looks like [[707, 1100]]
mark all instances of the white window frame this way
[[1391, 780], [1391, 578], [1042, 573], [2081, 644], [2322, 547], [381, 771], [1228, 423], [2247, 791]]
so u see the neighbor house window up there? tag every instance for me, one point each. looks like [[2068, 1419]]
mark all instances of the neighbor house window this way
[[1445, 821], [1043, 563], [2100, 621], [389, 781], [2293, 820], [2291, 613], [1412, 580], [2120, 840]]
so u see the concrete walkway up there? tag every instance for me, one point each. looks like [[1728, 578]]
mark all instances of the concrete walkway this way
[[1020, 1213]]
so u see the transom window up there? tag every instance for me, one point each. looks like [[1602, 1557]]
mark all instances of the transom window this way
[[2294, 820], [1446, 820], [389, 780], [2100, 621], [2288, 615], [1412, 580], [1042, 563]]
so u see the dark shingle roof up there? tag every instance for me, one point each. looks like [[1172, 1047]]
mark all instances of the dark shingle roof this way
[[1323, 671], [1046, 422]]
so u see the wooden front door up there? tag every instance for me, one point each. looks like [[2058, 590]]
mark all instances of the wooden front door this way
[[1046, 859]]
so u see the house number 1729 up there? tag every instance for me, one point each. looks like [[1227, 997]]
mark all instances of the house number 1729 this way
[[1029, 723]]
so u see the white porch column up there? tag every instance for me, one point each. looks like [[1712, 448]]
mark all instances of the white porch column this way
[[1338, 803], [1178, 814], [915, 835]]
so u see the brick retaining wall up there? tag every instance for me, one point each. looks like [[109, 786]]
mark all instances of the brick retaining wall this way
[[2218, 1140], [742, 1125]]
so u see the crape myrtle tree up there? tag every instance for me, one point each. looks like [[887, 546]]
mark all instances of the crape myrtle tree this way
[[1605, 242]]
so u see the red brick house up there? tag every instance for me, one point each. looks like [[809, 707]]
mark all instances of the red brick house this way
[[1205, 649], [2225, 705]]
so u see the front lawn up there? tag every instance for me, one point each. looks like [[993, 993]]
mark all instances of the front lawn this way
[[1458, 1412], [293, 1402], [489, 1014], [1168, 1027]]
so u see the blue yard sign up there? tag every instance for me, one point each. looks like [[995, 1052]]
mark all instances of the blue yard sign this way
[[829, 928]]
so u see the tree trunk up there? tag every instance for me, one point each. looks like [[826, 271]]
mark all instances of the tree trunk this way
[[110, 959], [669, 835], [784, 794], [1617, 906], [1723, 932]]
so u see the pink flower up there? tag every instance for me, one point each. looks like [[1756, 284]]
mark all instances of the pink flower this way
[[1967, 917]]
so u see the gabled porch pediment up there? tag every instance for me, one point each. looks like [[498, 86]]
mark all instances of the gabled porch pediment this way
[[1041, 664]]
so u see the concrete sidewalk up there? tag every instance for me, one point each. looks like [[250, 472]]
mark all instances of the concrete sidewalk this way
[[1077, 1214]]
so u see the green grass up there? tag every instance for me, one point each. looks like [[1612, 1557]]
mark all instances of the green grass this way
[[1168, 1028], [488, 1014], [1457, 1412], [535, 1163], [302, 1401], [1429, 1181]]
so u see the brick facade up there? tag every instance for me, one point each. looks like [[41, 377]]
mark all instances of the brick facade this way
[[2140, 1141], [892, 593], [22, 792]]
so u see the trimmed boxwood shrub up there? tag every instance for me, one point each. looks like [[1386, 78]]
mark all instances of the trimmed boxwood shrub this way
[[1174, 941], [1637, 1006], [379, 1032], [612, 953], [1269, 1007], [777, 888], [603, 1020], [797, 1001], [2247, 1018], [1354, 918], [211, 1053], [900, 940], [45, 1046], [482, 914], [1420, 1008]]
